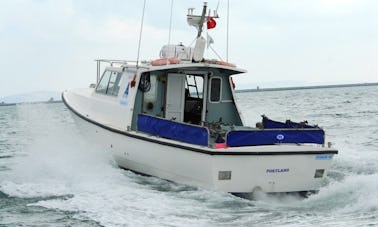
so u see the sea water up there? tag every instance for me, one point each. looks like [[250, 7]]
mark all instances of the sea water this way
[[51, 176]]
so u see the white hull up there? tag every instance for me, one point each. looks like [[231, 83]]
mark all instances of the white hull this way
[[284, 168]]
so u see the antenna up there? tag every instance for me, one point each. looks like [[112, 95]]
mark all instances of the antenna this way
[[228, 19], [170, 24], [216, 10], [140, 34]]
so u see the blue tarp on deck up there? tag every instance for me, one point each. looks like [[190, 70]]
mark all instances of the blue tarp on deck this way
[[173, 130], [269, 137], [270, 124]]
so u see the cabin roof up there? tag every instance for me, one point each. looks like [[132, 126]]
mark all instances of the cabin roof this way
[[146, 66], [198, 66]]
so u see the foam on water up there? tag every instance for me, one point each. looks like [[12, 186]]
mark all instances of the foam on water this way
[[55, 169], [69, 174], [53, 153]]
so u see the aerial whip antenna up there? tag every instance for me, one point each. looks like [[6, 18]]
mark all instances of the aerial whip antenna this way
[[228, 19], [170, 24], [140, 33]]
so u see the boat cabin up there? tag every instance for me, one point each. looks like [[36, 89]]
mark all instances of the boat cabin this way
[[197, 96], [189, 95]]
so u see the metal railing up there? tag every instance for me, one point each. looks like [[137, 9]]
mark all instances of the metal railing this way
[[112, 62]]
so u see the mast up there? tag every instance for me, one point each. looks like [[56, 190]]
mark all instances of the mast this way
[[198, 21], [202, 20]]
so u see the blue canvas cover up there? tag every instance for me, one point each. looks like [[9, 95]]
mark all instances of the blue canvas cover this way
[[173, 130], [270, 137], [270, 124]]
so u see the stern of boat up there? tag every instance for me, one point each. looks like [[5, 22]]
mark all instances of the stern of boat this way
[[274, 172]]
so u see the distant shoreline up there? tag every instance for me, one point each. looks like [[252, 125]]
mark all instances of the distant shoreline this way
[[307, 87], [23, 103]]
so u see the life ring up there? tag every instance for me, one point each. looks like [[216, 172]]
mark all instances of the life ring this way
[[174, 60], [224, 63], [165, 61]]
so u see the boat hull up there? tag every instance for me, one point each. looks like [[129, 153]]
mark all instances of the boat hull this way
[[277, 168]]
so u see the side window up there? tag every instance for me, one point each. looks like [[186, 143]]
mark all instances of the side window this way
[[109, 83], [103, 85], [113, 87], [215, 89]]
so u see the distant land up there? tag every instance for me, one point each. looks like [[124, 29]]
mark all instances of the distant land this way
[[32, 97], [25, 103], [257, 89]]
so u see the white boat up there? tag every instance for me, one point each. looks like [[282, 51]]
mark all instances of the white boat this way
[[176, 118]]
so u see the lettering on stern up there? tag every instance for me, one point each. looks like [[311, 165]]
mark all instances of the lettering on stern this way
[[278, 170]]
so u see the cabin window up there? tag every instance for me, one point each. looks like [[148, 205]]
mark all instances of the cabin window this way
[[215, 89], [194, 86], [193, 99], [114, 81], [103, 85], [109, 83]]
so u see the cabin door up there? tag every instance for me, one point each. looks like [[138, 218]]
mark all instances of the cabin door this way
[[174, 106]]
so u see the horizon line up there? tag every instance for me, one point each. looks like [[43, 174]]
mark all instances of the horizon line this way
[[257, 89]]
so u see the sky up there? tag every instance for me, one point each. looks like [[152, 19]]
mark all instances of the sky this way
[[51, 44]]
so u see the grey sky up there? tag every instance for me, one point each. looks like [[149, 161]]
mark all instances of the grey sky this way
[[51, 44]]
